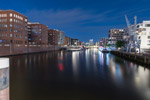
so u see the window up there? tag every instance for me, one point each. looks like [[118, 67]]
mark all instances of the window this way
[[144, 29], [147, 25], [10, 20], [3, 20], [10, 35], [10, 14], [139, 37], [5, 25], [10, 25], [26, 20], [148, 42], [10, 30], [148, 37], [3, 15]]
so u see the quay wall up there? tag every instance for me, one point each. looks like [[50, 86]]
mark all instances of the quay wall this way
[[6, 51], [143, 59]]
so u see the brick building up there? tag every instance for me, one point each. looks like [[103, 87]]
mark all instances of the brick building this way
[[52, 37], [38, 37], [67, 41], [13, 32]]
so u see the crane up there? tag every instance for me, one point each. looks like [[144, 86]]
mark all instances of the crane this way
[[132, 32]]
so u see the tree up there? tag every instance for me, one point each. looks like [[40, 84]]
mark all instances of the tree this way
[[120, 44]]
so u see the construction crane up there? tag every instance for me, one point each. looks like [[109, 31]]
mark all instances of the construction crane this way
[[131, 29]]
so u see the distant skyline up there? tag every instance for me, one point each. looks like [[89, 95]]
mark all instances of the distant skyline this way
[[82, 19]]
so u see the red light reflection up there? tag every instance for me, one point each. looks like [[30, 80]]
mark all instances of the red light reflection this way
[[61, 67]]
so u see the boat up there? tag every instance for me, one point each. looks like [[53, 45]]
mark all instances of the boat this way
[[105, 50], [74, 48]]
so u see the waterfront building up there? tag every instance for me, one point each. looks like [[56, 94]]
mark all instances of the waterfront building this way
[[139, 40], [67, 41], [38, 37], [61, 38], [115, 35], [91, 42], [52, 37], [13, 32], [103, 41], [126, 36], [74, 41]]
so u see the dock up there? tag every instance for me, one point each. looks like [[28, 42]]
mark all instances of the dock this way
[[143, 59]]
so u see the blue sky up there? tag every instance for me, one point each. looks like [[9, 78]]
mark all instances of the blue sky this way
[[82, 19]]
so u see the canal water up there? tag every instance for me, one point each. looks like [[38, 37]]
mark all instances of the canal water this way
[[80, 75]]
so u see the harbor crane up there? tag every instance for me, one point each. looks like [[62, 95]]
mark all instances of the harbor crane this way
[[131, 29]]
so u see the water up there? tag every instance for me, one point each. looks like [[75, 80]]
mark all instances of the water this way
[[81, 75]]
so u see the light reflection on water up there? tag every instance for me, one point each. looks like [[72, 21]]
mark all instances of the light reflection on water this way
[[105, 74], [121, 71]]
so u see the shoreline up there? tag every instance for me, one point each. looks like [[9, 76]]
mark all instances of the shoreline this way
[[137, 58]]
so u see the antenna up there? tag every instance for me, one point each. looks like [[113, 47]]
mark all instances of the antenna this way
[[135, 20]]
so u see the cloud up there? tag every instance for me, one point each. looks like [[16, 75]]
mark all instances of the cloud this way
[[77, 22], [66, 18]]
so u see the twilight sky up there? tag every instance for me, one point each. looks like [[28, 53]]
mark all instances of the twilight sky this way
[[82, 19]]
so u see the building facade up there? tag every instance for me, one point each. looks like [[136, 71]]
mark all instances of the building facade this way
[[13, 32], [139, 39], [74, 42], [37, 37], [61, 38], [115, 35], [103, 41], [67, 41], [52, 37], [91, 42]]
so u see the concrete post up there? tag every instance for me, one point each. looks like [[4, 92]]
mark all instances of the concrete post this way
[[4, 78]]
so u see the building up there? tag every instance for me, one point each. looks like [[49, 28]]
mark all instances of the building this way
[[143, 36], [38, 37], [13, 32], [91, 42], [139, 39], [52, 37], [67, 41], [74, 42], [61, 38], [115, 35], [103, 41], [126, 36]]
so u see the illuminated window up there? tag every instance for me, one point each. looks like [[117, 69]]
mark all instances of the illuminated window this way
[[26, 20], [10, 14], [10, 20]]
